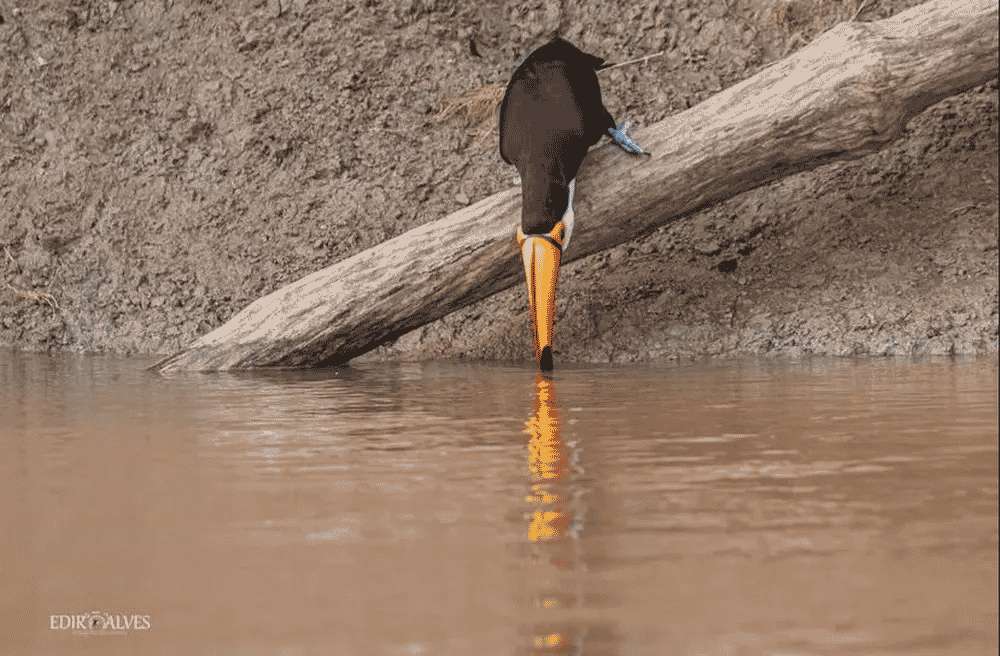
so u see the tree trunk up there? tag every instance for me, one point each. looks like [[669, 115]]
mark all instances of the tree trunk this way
[[846, 95]]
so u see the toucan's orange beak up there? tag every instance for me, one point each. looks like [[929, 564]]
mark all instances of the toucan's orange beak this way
[[541, 255]]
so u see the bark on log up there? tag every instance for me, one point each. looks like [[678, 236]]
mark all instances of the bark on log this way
[[847, 94]]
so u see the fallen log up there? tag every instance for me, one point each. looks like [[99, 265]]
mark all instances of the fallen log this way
[[847, 94]]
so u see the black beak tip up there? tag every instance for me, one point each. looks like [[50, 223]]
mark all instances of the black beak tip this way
[[545, 360]]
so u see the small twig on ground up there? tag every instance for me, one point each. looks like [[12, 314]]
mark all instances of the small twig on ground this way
[[859, 10], [795, 38], [480, 106], [962, 208], [38, 297], [633, 61]]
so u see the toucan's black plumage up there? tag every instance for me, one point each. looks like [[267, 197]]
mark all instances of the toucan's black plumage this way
[[551, 114]]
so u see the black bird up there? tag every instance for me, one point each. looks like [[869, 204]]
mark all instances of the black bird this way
[[551, 114]]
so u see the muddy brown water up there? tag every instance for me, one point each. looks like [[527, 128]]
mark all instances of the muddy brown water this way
[[733, 507]]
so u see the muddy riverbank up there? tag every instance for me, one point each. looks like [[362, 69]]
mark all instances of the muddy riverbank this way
[[162, 165]]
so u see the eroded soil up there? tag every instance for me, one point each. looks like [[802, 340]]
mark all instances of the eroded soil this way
[[163, 164]]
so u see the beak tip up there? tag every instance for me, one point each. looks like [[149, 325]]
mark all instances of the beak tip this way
[[545, 359]]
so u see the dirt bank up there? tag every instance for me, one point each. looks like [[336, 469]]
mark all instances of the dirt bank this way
[[164, 164]]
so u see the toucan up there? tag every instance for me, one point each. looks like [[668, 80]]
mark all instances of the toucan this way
[[551, 114]]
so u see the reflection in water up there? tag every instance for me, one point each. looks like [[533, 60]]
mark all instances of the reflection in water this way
[[548, 461], [446, 509], [556, 519]]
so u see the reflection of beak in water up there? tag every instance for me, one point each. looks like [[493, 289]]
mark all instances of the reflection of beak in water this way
[[547, 459], [556, 514]]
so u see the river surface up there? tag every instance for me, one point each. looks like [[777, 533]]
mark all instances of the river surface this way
[[738, 507]]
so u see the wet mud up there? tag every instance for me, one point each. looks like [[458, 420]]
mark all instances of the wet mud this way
[[163, 164]]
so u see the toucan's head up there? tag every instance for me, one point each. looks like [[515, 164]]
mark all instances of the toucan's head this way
[[546, 226], [544, 200]]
